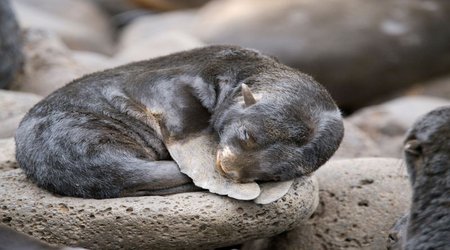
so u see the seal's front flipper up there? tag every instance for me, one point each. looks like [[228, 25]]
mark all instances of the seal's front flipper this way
[[197, 157], [156, 178]]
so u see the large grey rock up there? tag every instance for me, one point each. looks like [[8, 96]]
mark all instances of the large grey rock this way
[[7, 155], [11, 57], [182, 221], [388, 122], [14, 106], [49, 64], [356, 143], [360, 199], [369, 48], [80, 24]]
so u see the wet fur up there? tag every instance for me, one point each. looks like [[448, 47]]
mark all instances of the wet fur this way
[[104, 134]]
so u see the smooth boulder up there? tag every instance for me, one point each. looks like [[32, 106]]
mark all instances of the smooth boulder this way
[[195, 220], [356, 143], [387, 123], [360, 200], [14, 106]]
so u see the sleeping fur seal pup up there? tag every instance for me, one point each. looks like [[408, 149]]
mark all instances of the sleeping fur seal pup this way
[[105, 134]]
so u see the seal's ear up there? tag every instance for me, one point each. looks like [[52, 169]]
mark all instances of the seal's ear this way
[[249, 99]]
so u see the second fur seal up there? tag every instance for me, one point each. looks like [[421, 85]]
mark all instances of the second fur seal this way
[[105, 134]]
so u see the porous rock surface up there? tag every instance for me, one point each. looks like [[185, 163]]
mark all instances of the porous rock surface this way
[[14, 105], [183, 221], [360, 200], [7, 154], [387, 123]]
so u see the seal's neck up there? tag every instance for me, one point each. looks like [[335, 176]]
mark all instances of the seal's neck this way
[[429, 220]]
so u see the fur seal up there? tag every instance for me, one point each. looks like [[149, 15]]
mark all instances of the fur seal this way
[[105, 135], [11, 57], [427, 156]]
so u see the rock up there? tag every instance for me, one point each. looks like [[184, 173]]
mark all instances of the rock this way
[[114, 7], [439, 87], [14, 106], [169, 4], [7, 154], [181, 221], [366, 47], [11, 57], [153, 25], [92, 61], [80, 24], [49, 64], [159, 45], [156, 35], [387, 123], [356, 143], [360, 199]]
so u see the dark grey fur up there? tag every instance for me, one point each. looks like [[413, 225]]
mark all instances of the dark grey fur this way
[[11, 57], [427, 156], [99, 135]]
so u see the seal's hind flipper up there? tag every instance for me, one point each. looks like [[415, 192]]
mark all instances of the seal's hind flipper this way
[[156, 178]]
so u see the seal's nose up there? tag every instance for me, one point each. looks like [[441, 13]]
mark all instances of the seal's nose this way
[[223, 170]]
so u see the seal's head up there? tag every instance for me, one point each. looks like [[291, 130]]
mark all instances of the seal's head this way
[[427, 145], [273, 138]]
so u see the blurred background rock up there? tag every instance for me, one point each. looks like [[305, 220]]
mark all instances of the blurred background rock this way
[[364, 52], [385, 62]]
